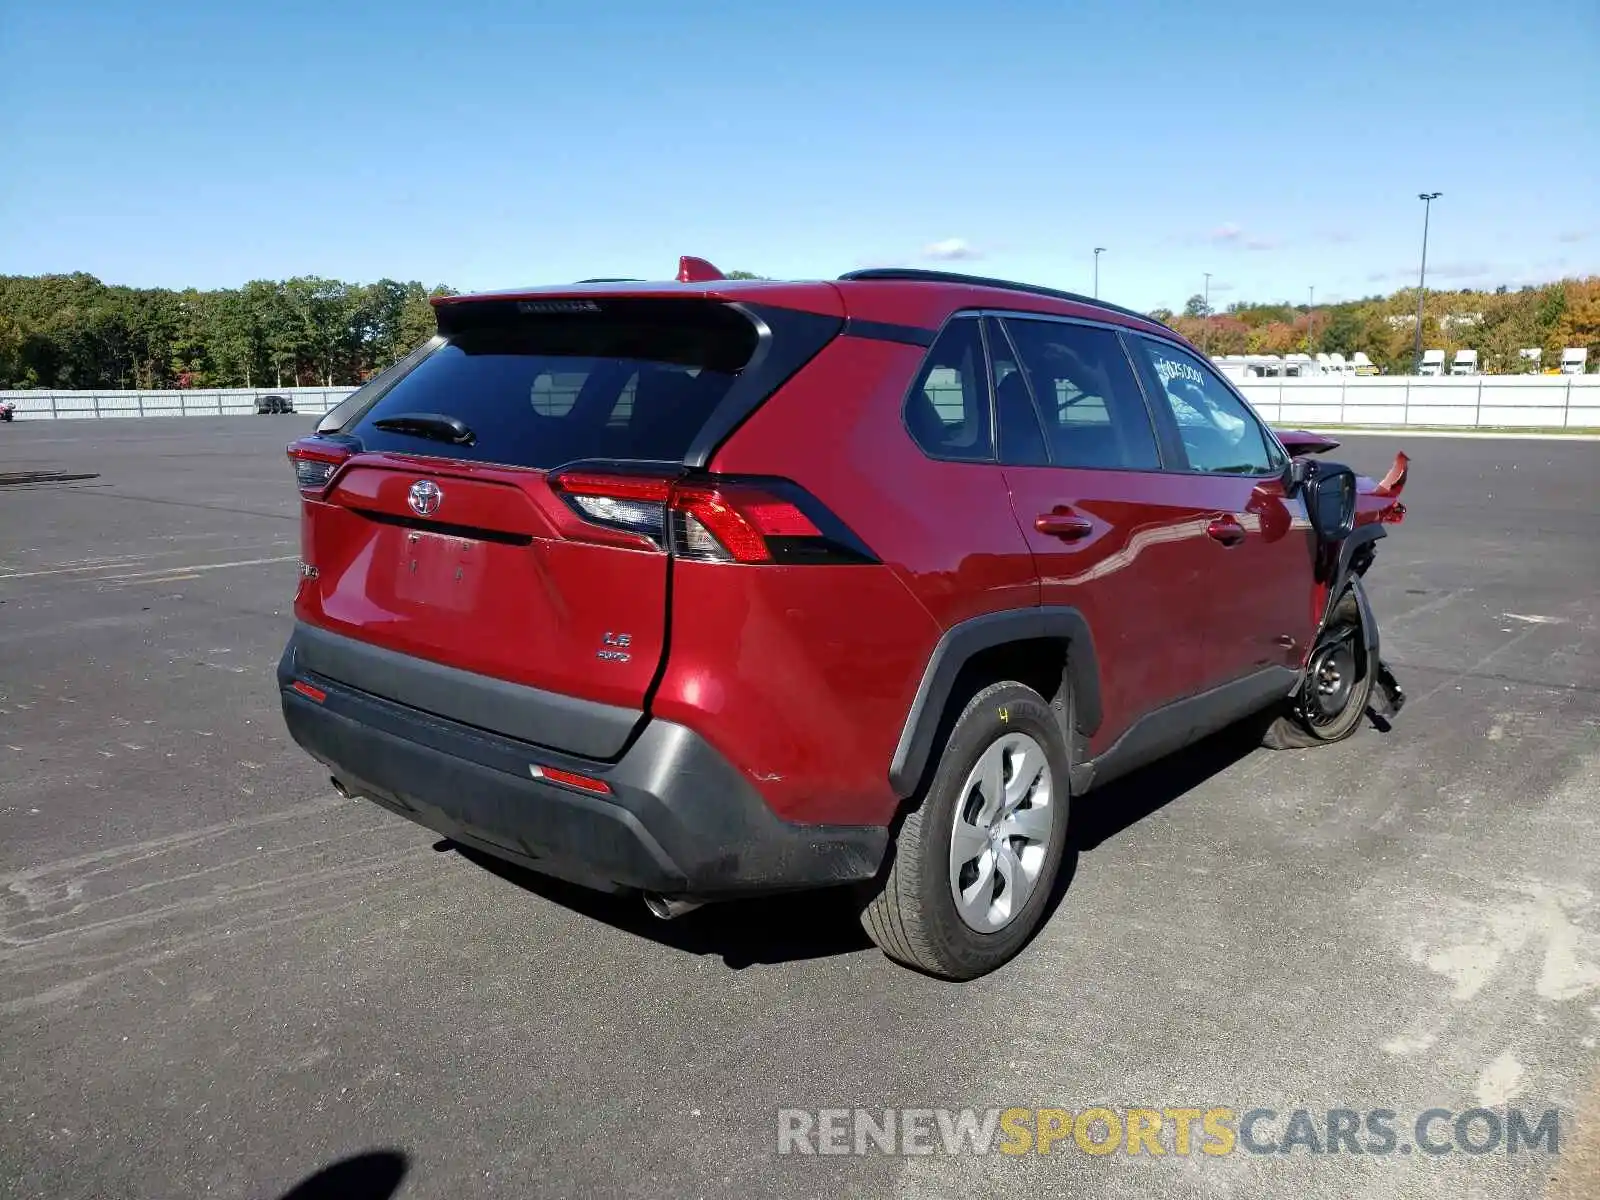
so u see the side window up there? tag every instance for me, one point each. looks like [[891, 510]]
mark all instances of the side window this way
[[947, 410], [1219, 434], [1093, 412], [1022, 441], [553, 393]]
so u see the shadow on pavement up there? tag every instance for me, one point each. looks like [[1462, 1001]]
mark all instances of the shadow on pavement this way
[[763, 931], [375, 1175], [823, 924], [1107, 811]]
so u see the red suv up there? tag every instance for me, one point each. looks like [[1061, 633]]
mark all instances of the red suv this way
[[709, 588]]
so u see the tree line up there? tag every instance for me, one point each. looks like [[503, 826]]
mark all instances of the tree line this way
[[1497, 324], [73, 331]]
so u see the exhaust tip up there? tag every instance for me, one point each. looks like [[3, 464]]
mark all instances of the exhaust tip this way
[[666, 909], [339, 787]]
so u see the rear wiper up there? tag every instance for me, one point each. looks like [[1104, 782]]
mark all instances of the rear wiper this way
[[428, 425]]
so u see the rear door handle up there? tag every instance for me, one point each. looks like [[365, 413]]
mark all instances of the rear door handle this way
[[1061, 523], [1226, 530]]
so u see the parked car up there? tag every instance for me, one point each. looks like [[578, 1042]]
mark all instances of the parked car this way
[[711, 588], [266, 405], [8, 410]]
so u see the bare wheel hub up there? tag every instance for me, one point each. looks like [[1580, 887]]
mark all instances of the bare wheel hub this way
[[1332, 678]]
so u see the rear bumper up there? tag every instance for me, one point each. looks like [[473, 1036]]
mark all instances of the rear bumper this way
[[679, 819]]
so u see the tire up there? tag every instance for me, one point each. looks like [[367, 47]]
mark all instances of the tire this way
[[915, 918], [1308, 721]]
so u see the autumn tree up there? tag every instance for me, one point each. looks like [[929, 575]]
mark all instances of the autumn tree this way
[[73, 331]]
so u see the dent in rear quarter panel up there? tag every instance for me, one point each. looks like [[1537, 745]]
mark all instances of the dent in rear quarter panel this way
[[798, 675], [848, 654]]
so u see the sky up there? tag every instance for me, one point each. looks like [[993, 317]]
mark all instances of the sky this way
[[499, 143]]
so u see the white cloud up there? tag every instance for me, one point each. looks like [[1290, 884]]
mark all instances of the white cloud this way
[[1436, 271], [951, 250], [1462, 270], [1231, 235]]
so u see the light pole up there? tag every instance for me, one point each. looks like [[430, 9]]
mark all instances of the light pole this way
[[1427, 199], [1098, 250], [1205, 330]]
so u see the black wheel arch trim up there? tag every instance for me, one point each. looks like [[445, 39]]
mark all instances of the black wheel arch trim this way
[[1369, 623], [968, 638], [1363, 536]]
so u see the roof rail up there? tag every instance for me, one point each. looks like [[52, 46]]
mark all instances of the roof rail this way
[[916, 274], [612, 279]]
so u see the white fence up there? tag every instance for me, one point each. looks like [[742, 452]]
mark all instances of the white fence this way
[[1515, 401], [191, 402]]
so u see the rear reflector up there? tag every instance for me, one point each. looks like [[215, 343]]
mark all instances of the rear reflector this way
[[570, 779], [309, 692], [713, 518]]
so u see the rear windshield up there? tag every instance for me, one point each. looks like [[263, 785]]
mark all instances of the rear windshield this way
[[623, 380]]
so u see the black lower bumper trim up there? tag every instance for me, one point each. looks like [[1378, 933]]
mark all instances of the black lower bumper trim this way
[[680, 820]]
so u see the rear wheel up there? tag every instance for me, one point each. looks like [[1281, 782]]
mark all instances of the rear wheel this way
[[1337, 686], [975, 863]]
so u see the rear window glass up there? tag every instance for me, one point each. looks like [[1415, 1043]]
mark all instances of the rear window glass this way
[[635, 380]]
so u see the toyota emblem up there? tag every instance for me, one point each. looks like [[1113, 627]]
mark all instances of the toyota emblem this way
[[425, 497]]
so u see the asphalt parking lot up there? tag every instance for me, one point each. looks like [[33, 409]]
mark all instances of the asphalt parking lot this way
[[217, 977]]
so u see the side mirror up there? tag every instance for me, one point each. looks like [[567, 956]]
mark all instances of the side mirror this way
[[1331, 500], [1295, 475]]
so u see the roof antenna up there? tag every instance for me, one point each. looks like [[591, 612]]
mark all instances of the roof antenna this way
[[697, 270]]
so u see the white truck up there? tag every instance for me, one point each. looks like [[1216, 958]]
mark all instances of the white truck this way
[[1432, 362], [1465, 363], [1574, 360]]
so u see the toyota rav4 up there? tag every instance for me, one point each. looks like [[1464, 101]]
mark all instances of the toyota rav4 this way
[[709, 588]]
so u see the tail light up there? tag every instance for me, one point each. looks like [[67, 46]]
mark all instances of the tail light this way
[[316, 461], [633, 504], [715, 518]]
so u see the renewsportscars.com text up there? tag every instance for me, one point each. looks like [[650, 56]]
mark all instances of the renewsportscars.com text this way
[[1159, 1132]]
